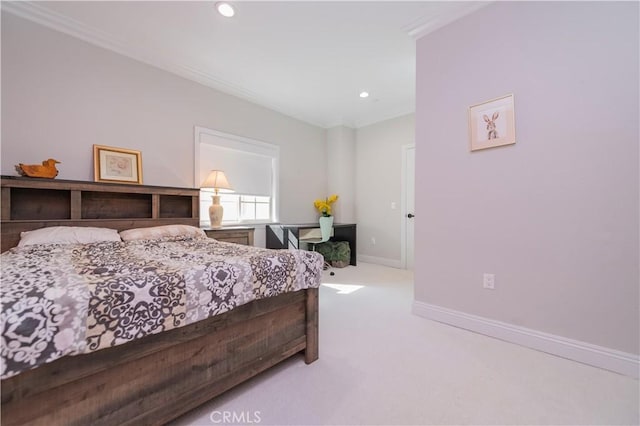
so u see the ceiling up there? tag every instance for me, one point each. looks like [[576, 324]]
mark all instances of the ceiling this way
[[308, 60]]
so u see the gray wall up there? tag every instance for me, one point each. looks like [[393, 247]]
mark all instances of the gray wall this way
[[555, 216], [378, 184], [60, 95], [341, 151]]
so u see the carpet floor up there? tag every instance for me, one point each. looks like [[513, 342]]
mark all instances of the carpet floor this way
[[381, 365]]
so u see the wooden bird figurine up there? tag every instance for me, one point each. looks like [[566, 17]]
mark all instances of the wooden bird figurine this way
[[46, 170]]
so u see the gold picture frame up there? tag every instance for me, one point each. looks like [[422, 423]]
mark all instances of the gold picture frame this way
[[492, 123], [111, 164]]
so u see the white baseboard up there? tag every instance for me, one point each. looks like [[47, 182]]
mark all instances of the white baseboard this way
[[598, 356], [393, 263]]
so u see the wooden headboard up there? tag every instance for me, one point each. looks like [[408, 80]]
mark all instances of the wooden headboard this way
[[32, 203]]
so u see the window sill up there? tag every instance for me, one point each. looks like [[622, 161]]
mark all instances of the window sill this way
[[257, 224]]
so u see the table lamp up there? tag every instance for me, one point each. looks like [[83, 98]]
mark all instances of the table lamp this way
[[216, 181]]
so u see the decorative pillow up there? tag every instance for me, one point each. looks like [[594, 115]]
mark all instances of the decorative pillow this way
[[156, 232], [68, 235]]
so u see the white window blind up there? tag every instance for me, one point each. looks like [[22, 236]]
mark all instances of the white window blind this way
[[251, 167], [247, 173]]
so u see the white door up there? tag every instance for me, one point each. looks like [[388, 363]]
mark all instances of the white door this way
[[409, 164]]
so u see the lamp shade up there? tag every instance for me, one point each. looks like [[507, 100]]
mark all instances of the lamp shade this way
[[216, 180]]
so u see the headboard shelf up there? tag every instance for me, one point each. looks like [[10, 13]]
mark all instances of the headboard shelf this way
[[29, 203], [115, 205]]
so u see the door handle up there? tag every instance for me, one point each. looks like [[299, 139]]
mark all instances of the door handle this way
[[411, 215]]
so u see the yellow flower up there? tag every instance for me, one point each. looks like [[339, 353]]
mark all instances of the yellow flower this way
[[324, 206]]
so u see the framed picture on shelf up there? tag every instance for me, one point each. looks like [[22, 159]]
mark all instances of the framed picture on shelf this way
[[492, 123], [119, 165]]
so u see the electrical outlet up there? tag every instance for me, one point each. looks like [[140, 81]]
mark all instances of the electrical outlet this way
[[393, 205], [489, 281], [373, 241]]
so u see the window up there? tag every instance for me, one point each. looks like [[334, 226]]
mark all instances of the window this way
[[252, 170], [237, 208]]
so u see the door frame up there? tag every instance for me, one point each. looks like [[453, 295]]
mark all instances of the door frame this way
[[403, 205]]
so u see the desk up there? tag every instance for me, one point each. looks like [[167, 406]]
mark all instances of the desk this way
[[283, 236]]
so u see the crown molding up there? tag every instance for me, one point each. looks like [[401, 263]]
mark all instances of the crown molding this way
[[58, 22], [424, 26], [74, 28], [357, 123], [390, 116]]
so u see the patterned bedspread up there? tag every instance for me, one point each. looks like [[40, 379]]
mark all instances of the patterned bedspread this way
[[61, 300]]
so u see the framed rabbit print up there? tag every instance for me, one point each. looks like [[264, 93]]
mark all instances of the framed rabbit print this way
[[491, 123]]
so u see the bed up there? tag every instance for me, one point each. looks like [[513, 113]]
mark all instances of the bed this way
[[163, 372]]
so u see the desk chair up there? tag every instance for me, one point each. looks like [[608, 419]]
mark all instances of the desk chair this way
[[315, 241]]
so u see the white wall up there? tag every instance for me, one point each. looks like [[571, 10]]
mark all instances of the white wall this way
[[555, 216], [60, 95], [378, 184], [341, 175]]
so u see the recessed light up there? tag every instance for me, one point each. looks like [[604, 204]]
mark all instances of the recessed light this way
[[364, 94], [225, 9]]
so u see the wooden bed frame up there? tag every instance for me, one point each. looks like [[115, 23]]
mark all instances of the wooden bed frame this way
[[160, 377]]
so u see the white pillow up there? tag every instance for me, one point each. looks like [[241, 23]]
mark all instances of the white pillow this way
[[68, 235], [156, 232]]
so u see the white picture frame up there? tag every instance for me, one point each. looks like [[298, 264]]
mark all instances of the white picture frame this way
[[492, 123]]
